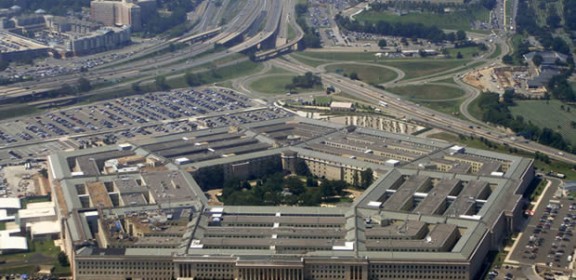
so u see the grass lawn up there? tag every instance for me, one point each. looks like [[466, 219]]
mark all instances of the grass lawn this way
[[276, 70], [475, 110], [412, 67], [424, 67], [436, 97], [467, 52], [446, 81], [455, 21], [322, 100], [16, 110], [178, 81], [220, 74], [446, 107], [555, 165], [428, 92], [548, 114], [366, 73], [307, 60], [40, 253], [496, 52], [290, 33], [2, 225], [227, 84], [272, 84], [338, 56]]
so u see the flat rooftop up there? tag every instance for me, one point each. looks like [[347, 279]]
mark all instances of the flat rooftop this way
[[409, 210]]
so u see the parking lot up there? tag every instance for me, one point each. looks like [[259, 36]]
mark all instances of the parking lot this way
[[122, 113], [548, 240], [143, 116], [244, 117]]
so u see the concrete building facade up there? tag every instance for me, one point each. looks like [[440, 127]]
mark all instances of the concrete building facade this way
[[117, 13], [416, 221]]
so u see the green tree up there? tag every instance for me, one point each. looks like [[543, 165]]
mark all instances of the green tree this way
[[459, 55], [507, 97], [382, 43], [4, 64], [84, 85], [160, 83], [193, 80], [354, 76], [507, 59], [295, 185], [43, 172], [461, 35], [63, 259], [537, 59], [311, 182], [553, 19], [136, 87], [366, 178], [65, 89], [311, 198]]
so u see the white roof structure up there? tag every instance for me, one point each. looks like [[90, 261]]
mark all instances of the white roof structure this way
[[77, 173], [4, 216], [37, 212], [38, 205], [8, 242], [43, 228], [182, 160], [341, 105], [10, 203]]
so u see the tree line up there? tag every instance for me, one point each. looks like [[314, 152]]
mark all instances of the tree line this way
[[559, 87], [569, 13], [496, 112], [308, 80], [173, 21], [311, 37], [276, 189], [526, 22], [438, 8], [409, 29]]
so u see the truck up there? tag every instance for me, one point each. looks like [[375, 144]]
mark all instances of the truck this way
[[382, 103], [556, 175]]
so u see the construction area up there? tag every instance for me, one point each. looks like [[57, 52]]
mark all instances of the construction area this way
[[498, 79]]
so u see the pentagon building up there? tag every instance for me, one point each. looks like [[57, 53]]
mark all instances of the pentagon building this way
[[434, 210]]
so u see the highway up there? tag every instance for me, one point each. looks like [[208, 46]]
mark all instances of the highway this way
[[290, 20], [180, 60], [161, 64], [423, 115]]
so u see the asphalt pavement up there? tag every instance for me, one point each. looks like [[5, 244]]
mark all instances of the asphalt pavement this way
[[547, 242]]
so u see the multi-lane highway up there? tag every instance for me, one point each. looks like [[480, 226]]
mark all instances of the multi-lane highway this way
[[277, 14], [141, 68], [424, 115]]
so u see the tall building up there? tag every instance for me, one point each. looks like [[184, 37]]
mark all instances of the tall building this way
[[117, 13]]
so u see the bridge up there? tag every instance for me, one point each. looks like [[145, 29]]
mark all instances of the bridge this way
[[200, 36]]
